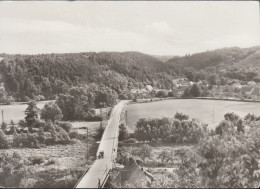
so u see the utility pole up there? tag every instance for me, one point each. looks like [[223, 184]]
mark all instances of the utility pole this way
[[87, 144], [3, 116], [125, 117]]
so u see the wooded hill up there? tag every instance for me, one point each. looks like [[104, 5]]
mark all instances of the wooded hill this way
[[235, 63], [27, 76]]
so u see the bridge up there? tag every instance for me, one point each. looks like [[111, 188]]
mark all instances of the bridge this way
[[98, 173]]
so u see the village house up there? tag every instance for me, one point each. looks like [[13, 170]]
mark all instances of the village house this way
[[149, 88], [255, 93], [181, 82], [237, 85], [252, 83]]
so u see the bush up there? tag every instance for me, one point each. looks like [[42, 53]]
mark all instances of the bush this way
[[74, 134], [29, 140], [131, 141], [123, 133], [3, 126], [36, 160], [66, 126], [99, 133], [3, 141], [63, 137], [12, 170]]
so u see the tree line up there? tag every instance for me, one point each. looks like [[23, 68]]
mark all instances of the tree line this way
[[38, 77]]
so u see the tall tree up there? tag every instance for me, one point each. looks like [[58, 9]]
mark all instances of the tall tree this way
[[31, 113], [51, 111]]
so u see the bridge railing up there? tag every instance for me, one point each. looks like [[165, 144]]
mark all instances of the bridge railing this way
[[81, 177]]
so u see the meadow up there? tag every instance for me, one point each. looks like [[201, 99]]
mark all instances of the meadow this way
[[195, 108], [16, 111]]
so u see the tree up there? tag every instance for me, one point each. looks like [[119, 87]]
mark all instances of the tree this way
[[213, 79], [250, 117], [105, 98], [195, 90], [123, 133], [3, 141], [145, 151], [223, 127], [164, 156], [230, 160], [143, 130], [31, 113], [51, 111], [3, 126], [186, 93], [181, 116], [76, 105], [66, 104]]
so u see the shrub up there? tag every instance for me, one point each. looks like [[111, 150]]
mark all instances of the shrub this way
[[74, 134], [3, 126], [181, 116], [65, 125], [99, 133], [3, 141], [131, 141], [36, 160], [11, 170], [123, 133], [63, 137]]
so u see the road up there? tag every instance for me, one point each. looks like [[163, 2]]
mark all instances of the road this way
[[109, 143]]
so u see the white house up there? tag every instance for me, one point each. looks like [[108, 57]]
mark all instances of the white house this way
[[149, 88], [251, 83]]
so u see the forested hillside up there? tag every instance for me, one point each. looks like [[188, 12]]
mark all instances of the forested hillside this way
[[218, 58], [28, 76], [46, 75], [235, 63]]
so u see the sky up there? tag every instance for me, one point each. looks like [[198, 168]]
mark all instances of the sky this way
[[151, 27]]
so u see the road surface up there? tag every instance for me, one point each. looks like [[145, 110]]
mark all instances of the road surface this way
[[108, 144]]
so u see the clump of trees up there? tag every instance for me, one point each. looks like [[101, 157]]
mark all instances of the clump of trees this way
[[230, 159], [123, 133], [4, 97], [4, 144], [144, 152], [51, 111], [166, 130], [12, 170], [80, 103], [33, 132], [224, 157]]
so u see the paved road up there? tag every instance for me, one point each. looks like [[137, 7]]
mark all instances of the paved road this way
[[109, 141]]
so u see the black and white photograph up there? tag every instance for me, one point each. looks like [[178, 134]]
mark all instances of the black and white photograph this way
[[129, 94]]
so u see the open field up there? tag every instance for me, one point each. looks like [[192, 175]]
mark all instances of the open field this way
[[195, 108], [15, 111]]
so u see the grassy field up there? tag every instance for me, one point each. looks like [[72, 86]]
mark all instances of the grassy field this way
[[15, 111], [195, 108]]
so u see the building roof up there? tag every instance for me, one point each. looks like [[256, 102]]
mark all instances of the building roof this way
[[255, 91], [149, 87]]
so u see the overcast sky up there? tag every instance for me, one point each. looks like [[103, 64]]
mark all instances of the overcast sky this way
[[161, 28]]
